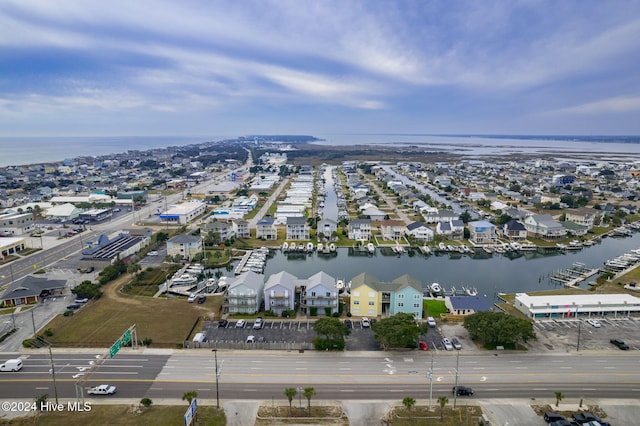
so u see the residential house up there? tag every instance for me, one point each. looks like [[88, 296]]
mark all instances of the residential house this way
[[266, 229], [320, 292], [366, 298], [359, 229], [584, 216], [222, 231], [420, 232], [406, 296], [241, 228], [245, 294], [392, 230], [184, 245], [280, 292], [514, 230], [297, 229], [544, 226], [327, 227], [482, 232], [373, 213]]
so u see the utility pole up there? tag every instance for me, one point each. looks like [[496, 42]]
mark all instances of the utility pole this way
[[215, 354], [430, 375], [53, 372], [455, 393]]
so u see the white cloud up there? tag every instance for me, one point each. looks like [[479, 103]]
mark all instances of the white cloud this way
[[621, 104]]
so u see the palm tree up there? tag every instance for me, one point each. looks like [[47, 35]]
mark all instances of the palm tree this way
[[559, 397], [308, 393], [408, 402], [290, 393], [442, 400], [189, 396]]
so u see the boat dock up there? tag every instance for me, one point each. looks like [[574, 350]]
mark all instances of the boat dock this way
[[573, 276]]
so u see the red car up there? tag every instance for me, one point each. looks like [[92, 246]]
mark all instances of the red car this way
[[424, 346]]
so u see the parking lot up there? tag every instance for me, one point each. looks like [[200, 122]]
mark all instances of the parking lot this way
[[297, 332], [563, 334]]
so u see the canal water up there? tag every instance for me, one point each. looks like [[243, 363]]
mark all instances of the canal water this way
[[498, 273]]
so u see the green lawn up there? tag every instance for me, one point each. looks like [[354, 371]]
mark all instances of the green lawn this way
[[434, 308]]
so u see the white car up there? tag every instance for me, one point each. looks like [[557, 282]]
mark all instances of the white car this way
[[258, 324], [192, 298], [431, 322], [102, 390], [447, 344], [152, 253], [251, 339], [366, 323], [81, 300], [240, 323], [594, 323]]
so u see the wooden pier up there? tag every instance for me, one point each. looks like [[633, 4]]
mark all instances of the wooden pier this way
[[573, 276]]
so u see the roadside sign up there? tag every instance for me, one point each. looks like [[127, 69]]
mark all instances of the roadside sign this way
[[190, 414], [113, 350]]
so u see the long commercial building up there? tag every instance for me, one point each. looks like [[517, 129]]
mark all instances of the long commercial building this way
[[583, 305]]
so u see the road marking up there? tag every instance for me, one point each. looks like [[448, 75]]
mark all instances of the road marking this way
[[42, 388], [347, 390], [256, 361], [345, 369], [522, 368], [566, 368], [250, 390], [301, 362], [515, 361], [609, 368], [589, 389], [478, 368], [257, 368], [301, 368], [397, 390], [540, 389]]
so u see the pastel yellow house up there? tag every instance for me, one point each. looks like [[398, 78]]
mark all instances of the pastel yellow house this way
[[371, 297], [366, 299]]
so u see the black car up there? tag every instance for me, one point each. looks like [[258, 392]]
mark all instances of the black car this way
[[562, 423], [223, 323], [553, 417], [348, 323], [462, 391], [202, 299], [73, 307], [585, 417], [620, 344]]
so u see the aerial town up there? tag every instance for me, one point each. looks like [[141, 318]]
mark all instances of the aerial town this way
[[185, 237]]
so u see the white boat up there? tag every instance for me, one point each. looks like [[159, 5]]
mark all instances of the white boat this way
[[222, 283], [320, 247], [293, 247], [285, 246], [310, 247], [371, 248], [515, 246], [184, 279], [471, 291], [436, 289], [528, 246], [442, 247], [340, 284], [399, 249], [332, 247], [425, 249]]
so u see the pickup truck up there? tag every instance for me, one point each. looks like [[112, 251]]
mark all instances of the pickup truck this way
[[620, 344]]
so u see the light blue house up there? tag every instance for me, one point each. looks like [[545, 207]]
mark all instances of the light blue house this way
[[320, 293], [280, 292], [406, 296]]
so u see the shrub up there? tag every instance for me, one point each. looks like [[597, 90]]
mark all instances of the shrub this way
[[48, 332], [68, 313], [336, 314], [146, 402], [146, 341], [313, 311], [349, 314], [327, 311]]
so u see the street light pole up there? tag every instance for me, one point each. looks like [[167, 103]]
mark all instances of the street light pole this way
[[430, 375], [579, 327], [455, 388], [215, 354]]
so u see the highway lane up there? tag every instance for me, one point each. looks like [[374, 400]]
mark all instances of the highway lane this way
[[255, 375]]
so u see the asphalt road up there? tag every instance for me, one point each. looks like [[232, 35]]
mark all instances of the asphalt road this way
[[365, 375]]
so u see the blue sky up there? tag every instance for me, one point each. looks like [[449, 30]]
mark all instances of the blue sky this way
[[318, 67]]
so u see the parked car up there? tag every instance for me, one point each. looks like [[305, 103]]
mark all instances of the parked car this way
[[241, 323], [73, 307], [258, 324], [562, 423], [620, 344], [201, 299], [102, 390], [447, 344], [348, 323], [81, 300], [424, 346], [553, 417], [366, 323], [594, 323], [223, 323], [462, 391], [251, 339], [456, 343], [431, 322], [11, 365], [152, 253], [261, 339], [192, 298], [585, 417]]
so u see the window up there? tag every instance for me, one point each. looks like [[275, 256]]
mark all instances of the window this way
[[356, 302], [372, 294], [400, 304], [401, 296], [416, 305], [356, 293], [313, 294], [372, 303], [328, 294], [416, 296]]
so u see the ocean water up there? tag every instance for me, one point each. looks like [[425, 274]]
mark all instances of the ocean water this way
[[32, 150]]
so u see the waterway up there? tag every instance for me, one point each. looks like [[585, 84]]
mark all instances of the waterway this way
[[499, 273]]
